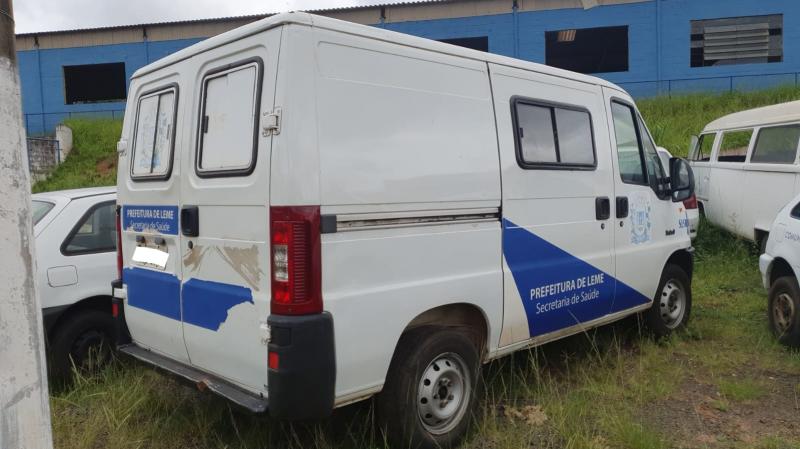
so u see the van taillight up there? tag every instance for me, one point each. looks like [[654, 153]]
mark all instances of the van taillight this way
[[690, 203], [119, 242], [296, 264]]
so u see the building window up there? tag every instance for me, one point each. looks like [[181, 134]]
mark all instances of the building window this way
[[94, 83], [737, 40], [476, 43], [588, 50]]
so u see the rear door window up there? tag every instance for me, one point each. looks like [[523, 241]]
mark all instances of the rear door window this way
[[229, 119], [733, 147], [155, 132], [776, 145], [95, 232]]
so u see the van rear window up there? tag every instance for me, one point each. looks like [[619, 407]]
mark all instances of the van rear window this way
[[553, 136], [155, 131], [229, 119], [776, 145]]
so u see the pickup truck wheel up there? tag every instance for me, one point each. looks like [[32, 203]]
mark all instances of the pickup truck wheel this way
[[673, 302], [430, 391], [83, 339], [784, 311]]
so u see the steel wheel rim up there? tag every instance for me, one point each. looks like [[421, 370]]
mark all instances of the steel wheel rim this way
[[672, 304], [783, 313], [443, 393]]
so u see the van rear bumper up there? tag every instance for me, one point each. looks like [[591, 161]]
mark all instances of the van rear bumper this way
[[303, 385]]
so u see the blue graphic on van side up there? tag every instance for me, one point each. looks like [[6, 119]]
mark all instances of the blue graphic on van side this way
[[153, 291], [559, 290], [158, 219], [207, 303]]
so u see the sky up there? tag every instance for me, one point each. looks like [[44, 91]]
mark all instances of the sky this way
[[51, 15]]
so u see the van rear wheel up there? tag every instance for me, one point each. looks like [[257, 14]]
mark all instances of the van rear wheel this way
[[672, 305], [430, 391], [784, 311]]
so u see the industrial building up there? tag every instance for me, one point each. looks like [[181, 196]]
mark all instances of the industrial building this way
[[649, 47]]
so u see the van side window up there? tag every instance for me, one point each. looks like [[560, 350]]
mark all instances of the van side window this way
[[96, 232], [705, 144], [734, 146], [553, 136], [229, 121], [629, 150], [776, 145], [155, 132]]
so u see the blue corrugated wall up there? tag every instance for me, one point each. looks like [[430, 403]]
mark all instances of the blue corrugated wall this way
[[659, 55]]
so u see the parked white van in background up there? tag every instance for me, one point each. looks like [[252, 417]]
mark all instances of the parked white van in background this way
[[747, 169], [314, 212]]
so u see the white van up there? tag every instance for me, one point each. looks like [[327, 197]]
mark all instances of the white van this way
[[747, 169], [314, 212]]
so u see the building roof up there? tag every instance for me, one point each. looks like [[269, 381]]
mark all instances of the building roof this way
[[307, 19], [252, 17], [767, 115]]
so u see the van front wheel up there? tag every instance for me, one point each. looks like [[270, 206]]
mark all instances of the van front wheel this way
[[673, 302], [430, 390]]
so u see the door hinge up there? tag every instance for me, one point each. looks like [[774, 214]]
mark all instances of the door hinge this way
[[271, 123]]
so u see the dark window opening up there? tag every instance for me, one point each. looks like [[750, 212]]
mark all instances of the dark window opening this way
[[94, 83], [737, 40], [476, 43], [588, 50]]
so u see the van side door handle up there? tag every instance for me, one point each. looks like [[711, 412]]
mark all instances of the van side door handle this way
[[190, 221], [622, 206], [602, 208]]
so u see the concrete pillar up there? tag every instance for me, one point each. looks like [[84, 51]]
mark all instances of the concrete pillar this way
[[24, 407]]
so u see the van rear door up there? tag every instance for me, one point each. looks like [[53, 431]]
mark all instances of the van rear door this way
[[225, 212], [149, 194]]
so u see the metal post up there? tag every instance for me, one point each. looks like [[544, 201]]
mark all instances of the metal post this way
[[24, 407]]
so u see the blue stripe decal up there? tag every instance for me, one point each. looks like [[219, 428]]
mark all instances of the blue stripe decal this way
[[153, 291], [157, 219], [559, 290], [206, 303]]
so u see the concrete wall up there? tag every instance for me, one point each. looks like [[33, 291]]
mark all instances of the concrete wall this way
[[659, 44]]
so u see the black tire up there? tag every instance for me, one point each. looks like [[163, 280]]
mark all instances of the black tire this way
[[784, 311], [672, 305], [403, 404], [84, 339]]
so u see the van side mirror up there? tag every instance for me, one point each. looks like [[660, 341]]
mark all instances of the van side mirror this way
[[681, 179]]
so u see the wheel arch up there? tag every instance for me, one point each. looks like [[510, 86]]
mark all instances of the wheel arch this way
[[778, 269], [455, 315], [682, 258], [101, 303]]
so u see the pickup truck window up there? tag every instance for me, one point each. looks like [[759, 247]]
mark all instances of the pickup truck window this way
[[776, 145], [553, 136], [155, 126], [228, 121], [734, 146]]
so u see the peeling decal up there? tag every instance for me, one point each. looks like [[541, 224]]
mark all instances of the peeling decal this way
[[207, 303]]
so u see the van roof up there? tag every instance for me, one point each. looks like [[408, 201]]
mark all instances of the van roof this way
[[777, 113], [307, 19]]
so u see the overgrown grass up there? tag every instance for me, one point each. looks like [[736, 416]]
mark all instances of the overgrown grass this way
[[93, 160], [674, 120], [613, 387]]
